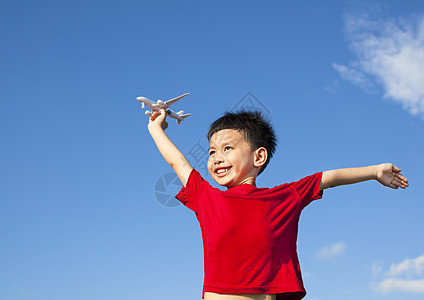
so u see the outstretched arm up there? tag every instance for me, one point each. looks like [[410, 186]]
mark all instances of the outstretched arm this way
[[387, 174], [173, 156]]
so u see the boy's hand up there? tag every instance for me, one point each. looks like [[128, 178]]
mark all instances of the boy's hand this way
[[389, 175], [158, 119]]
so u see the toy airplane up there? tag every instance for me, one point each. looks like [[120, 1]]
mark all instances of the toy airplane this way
[[157, 106]]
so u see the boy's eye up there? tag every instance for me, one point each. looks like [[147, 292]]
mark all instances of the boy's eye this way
[[227, 148], [211, 153]]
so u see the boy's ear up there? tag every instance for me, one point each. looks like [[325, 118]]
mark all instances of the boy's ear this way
[[261, 156]]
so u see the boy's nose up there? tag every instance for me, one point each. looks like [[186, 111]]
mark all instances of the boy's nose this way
[[217, 160]]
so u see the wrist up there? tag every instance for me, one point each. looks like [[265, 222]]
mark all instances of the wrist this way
[[374, 171], [154, 128]]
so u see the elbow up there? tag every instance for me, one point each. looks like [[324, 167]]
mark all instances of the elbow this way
[[323, 186], [176, 162]]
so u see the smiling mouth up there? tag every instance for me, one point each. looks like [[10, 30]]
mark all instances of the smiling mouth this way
[[221, 172]]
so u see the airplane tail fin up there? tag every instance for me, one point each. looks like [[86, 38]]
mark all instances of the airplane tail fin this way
[[182, 116]]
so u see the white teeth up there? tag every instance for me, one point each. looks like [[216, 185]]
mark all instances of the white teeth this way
[[221, 171]]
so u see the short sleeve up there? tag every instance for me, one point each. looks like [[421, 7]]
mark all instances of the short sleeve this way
[[190, 194], [308, 188]]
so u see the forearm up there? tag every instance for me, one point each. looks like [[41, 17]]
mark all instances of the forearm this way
[[338, 177], [170, 153], [166, 147]]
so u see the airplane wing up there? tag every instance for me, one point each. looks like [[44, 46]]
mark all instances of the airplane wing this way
[[172, 101]]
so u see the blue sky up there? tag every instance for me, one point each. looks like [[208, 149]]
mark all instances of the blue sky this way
[[80, 215]]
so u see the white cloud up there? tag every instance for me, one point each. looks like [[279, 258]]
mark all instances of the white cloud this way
[[409, 267], [403, 276], [377, 268], [400, 285], [353, 75], [332, 250], [392, 53]]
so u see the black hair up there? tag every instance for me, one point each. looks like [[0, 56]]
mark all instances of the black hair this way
[[255, 128]]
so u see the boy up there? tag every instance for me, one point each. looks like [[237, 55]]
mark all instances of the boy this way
[[249, 233]]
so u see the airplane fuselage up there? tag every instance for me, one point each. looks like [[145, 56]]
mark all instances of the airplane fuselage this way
[[153, 105], [157, 106]]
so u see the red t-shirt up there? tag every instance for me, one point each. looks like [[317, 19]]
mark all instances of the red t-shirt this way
[[249, 234]]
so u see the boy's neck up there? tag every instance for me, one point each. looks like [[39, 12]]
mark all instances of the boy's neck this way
[[248, 181]]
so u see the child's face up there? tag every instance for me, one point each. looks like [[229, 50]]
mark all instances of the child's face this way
[[231, 160]]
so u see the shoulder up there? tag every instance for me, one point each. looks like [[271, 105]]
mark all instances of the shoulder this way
[[307, 179], [308, 188], [196, 191], [195, 184]]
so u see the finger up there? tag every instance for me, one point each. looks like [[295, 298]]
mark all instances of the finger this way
[[405, 184], [400, 183], [403, 179], [153, 116], [399, 175], [397, 181], [162, 114], [393, 186], [157, 115]]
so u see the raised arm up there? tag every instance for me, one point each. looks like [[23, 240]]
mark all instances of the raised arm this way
[[173, 156], [387, 174]]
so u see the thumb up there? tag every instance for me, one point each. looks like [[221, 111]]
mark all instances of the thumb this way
[[162, 114], [396, 169], [157, 115]]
